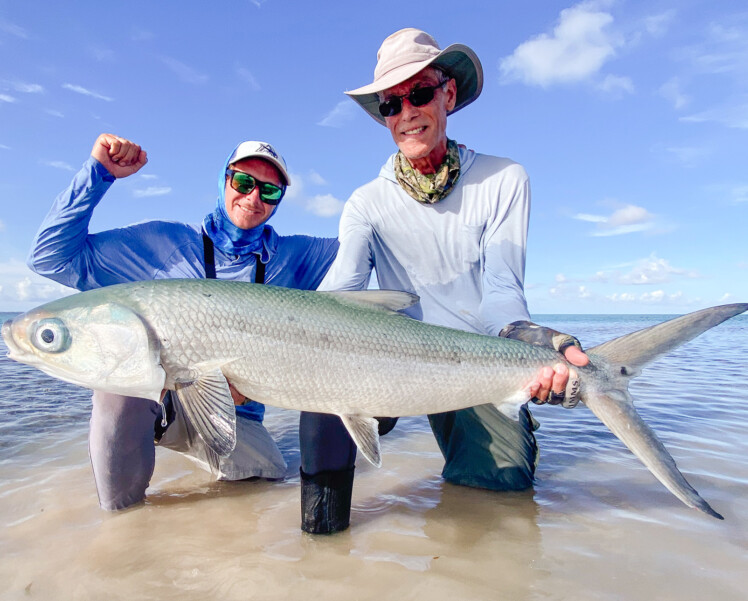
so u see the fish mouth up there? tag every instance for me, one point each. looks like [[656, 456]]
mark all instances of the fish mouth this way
[[15, 351]]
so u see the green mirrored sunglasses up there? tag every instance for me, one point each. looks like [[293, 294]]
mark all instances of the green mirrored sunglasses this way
[[244, 183]]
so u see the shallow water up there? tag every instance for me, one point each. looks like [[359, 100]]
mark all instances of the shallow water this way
[[596, 526]]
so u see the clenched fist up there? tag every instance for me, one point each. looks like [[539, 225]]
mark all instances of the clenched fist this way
[[121, 157]]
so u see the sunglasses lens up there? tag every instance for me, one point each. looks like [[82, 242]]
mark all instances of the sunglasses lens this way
[[242, 182], [421, 96], [271, 194], [391, 107]]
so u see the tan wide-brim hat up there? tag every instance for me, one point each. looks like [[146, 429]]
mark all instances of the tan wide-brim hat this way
[[408, 51]]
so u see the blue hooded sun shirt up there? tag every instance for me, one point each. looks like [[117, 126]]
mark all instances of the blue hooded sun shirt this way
[[65, 251]]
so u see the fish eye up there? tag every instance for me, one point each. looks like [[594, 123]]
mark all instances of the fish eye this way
[[51, 336]]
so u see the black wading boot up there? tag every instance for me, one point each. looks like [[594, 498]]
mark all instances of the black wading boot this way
[[326, 501]]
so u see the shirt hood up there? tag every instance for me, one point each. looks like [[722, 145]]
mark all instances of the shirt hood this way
[[231, 239]]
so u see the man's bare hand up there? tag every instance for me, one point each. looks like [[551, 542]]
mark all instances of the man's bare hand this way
[[551, 383], [121, 157], [238, 397]]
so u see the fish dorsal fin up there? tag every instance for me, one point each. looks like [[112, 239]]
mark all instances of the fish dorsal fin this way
[[389, 300], [639, 348], [208, 404], [365, 433]]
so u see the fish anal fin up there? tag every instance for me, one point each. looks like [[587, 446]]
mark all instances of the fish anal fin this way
[[365, 433], [208, 404]]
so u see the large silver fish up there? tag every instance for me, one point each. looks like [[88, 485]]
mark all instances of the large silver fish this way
[[347, 353]]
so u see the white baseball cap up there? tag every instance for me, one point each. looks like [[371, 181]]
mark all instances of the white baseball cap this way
[[253, 149]]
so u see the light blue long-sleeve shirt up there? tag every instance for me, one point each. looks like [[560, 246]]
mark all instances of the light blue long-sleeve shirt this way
[[464, 256], [64, 250]]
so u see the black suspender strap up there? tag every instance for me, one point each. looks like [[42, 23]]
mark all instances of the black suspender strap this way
[[260, 271], [210, 262]]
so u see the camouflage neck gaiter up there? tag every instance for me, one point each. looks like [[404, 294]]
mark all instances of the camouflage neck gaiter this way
[[429, 188]]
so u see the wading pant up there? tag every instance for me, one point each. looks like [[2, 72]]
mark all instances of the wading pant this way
[[482, 448], [122, 451]]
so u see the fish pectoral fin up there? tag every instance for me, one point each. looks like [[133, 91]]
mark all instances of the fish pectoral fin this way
[[365, 433], [208, 404]]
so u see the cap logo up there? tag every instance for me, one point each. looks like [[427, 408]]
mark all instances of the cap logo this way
[[267, 149]]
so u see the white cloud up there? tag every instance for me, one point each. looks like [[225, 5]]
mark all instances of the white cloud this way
[[322, 205], [690, 156], [724, 51], [731, 192], [24, 88], [246, 76], [657, 297], [81, 90], [654, 270], [295, 191], [186, 73], [616, 85], [658, 25], [625, 220], [151, 191], [671, 91], [733, 114], [577, 49], [54, 113], [59, 165], [325, 205], [142, 35], [21, 289], [317, 179], [102, 54], [343, 113], [4, 147], [13, 29], [739, 194], [7, 98]]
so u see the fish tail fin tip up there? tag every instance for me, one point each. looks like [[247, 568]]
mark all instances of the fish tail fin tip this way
[[633, 351], [616, 410]]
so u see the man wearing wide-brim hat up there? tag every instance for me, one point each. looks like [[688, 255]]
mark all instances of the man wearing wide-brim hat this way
[[450, 225]]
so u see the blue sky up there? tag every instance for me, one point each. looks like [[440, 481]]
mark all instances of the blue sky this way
[[631, 118]]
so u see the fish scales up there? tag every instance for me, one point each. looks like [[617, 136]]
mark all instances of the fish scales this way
[[296, 347]]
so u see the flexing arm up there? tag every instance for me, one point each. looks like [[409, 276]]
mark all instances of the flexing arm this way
[[62, 249]]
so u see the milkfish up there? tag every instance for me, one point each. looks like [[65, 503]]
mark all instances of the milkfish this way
[[352, 354]]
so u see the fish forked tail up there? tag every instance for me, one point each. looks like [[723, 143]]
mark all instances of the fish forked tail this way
[[614, 407]]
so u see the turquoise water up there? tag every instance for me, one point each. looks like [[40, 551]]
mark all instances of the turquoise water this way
[[596, 526]]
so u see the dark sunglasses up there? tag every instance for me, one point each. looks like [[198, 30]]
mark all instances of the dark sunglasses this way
[[244, 183], [417, 97]]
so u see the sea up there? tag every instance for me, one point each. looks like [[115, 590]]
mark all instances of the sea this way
[[596, 525]]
